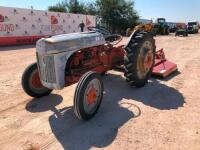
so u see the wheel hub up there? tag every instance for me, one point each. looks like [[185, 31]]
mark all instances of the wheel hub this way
[[91, 96], [35, 81], [148, 61], [145, 60]]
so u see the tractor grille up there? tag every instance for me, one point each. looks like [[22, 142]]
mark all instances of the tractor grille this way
[[46, 68]]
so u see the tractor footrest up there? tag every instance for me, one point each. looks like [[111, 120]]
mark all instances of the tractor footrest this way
[[164, 68]]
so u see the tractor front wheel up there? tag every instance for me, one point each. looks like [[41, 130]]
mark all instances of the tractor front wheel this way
[[88, 96], [139, 59], [31, 83]]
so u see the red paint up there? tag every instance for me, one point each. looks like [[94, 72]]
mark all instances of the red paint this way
[[160, 55], [18, 40], [88, 22], [91, 96], [54, 20], [1, 18], [164, 69], [162, 66], [36, 81], [7, 27], [100, 59], [149, 61]]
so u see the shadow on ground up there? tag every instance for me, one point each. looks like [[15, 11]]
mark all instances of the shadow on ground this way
[[18, 47], [103, 128], [44, 104], [168, 78]]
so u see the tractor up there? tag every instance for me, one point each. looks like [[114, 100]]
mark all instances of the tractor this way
[[181, 30], [145, 27], [64, 60], [161, 27]]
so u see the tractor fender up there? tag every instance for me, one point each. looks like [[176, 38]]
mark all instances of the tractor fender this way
[[131, 37], [61, 61], [44, 49]]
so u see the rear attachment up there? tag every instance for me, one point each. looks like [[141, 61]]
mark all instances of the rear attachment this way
[[163, 67]]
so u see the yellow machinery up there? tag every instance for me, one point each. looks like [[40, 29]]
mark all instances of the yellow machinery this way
[[146, 27]]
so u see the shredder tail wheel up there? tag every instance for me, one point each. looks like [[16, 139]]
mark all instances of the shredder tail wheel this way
[[31, 83], [88, 96]]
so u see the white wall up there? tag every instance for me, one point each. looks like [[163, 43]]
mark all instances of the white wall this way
[[27, 22]]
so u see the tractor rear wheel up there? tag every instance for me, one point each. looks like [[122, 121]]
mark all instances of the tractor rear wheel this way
[[128, 32], [31, 83], [88, 96], [186, 34], [166, 31], [139, 59]]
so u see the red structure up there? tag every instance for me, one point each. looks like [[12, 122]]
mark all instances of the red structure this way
[[162, 66]]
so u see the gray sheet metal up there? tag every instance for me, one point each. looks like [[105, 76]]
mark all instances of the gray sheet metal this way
[[61, 47], [69, 42]]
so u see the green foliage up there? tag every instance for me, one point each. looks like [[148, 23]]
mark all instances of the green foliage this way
[[91, 9], [71, 6], [116, 15], [75, 7], [58, 8]]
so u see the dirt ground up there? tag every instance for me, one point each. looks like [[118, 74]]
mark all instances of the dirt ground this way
[[163, 115]]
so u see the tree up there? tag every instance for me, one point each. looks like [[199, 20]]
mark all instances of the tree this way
[[72, 6], [91, 9], [60, 7], [75, 7], [117, 15]]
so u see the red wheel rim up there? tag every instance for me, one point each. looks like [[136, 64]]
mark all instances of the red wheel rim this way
[[91, 97], [148, 60], [35, 81], [145, 60]]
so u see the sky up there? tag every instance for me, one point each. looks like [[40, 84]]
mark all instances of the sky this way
[[172, 10]]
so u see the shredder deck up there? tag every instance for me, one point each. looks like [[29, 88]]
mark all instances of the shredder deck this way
[[164, 68]]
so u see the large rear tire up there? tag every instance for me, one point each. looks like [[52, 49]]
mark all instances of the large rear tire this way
[[31, 83], [139, 59], [167, 30], [88, 96], [128, 32]]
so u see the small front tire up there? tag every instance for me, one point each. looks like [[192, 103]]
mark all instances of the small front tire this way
[[88, 96], [31, 83]]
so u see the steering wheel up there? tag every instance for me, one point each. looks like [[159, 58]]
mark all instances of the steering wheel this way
[[107, 35], [100, 30]]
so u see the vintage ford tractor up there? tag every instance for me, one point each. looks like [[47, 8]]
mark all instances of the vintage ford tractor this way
[[84, 57]]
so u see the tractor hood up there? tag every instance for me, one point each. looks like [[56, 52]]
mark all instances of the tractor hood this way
[[69, 42]]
